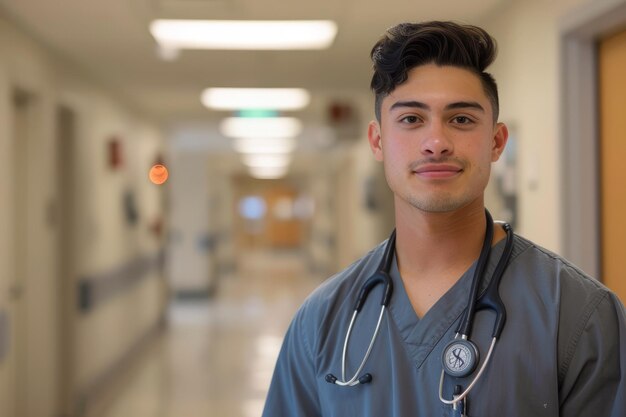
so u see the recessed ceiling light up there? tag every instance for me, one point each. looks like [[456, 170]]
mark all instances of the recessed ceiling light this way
[[244, 34], [268, 173], [267, 161], [261, 127], [266, 145], [255, 98]]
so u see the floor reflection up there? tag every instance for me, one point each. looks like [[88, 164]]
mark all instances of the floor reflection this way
[[217, 356]]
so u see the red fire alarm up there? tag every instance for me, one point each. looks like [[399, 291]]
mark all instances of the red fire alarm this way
[[115, 153]]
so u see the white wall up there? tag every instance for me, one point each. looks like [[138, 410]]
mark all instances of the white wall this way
[[201, 208], [20, 68], [527, 72], [103, 240], [189, 264]]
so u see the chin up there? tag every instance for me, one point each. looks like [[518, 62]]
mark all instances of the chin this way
[[439, 205]]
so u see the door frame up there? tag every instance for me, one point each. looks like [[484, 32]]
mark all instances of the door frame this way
[[579, 128], [65, 159], [24, 115]]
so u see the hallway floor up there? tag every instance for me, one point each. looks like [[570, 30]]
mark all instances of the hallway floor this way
[[216, 357]]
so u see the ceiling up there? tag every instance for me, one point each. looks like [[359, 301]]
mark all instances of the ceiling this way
[[109, 41]]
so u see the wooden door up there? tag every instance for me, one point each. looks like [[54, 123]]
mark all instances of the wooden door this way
[[612, 89]]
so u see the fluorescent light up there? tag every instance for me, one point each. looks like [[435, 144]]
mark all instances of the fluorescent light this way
[[267, 161], [255, 98], [267, 145], [244, 34], [267, 173], [261, 127]]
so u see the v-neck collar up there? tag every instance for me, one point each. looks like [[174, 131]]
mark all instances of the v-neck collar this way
[[421, 335]]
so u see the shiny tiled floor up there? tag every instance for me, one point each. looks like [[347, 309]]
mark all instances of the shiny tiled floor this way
[[217, 356]]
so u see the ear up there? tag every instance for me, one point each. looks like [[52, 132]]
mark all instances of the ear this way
[[500, 138], [375, 139]]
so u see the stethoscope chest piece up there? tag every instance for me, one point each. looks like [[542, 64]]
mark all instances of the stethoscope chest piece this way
[[459, 358]]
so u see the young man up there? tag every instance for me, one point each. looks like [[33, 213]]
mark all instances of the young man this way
[[562, 347]]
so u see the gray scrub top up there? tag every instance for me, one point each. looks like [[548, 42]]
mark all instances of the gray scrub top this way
[[562, 351]]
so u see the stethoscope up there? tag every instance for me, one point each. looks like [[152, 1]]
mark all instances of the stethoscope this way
[[461, 355]]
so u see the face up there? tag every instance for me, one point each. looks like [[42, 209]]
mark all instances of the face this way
[[437, 139]]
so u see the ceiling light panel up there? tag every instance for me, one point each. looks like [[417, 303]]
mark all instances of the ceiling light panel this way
[[244, 34], [264, 146], [255, 98], [267, 161], [261, 127], [268, 173]]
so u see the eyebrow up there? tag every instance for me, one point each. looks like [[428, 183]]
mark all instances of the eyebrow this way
[[451, 106]]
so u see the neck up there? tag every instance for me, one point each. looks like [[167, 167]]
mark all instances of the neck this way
[[444, 244]]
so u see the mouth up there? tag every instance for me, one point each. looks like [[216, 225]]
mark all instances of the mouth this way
[[438, 171]]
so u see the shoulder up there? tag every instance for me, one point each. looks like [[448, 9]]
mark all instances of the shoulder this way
[[540, 263], [576, 294], [336, 296], [590, 316], [333, 292]]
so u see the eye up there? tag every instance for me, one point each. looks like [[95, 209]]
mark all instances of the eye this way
[[410, 119], [462, 120]]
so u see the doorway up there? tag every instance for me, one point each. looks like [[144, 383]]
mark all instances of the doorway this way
[[612, 101], [581, 195], [23, 109], [66, 215], [269, 214]]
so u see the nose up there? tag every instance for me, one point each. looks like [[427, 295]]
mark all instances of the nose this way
[[436, 143]]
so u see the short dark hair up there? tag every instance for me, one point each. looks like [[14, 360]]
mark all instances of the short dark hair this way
[[408, 45]]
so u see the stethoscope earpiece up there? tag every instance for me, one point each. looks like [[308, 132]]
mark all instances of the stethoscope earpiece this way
[[365, 379]]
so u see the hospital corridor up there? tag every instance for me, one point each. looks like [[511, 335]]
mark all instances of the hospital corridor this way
[[174, 184], [217, 357]]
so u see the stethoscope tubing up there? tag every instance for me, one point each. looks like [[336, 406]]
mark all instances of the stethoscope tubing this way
[[465, 327], [380, 277], [354, 380], [490, 299]]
